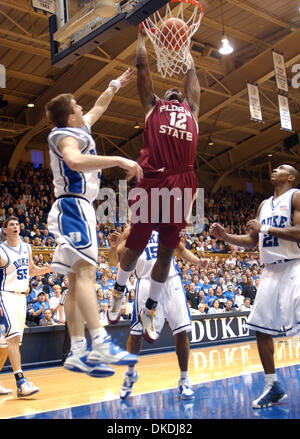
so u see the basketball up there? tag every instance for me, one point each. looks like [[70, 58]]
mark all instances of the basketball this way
[[174, 33]]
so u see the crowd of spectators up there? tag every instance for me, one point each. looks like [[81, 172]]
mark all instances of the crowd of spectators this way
[[228, 283]]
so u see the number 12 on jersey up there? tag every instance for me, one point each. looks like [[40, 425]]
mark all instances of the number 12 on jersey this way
[[178, 120]]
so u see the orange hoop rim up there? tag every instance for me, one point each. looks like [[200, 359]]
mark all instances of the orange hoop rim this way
[[191, 2]]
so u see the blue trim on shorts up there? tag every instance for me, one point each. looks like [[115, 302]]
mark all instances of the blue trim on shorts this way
[[71, 220], [134, 318], [180, 327], [5, 318], [267, 329], [183, 291]]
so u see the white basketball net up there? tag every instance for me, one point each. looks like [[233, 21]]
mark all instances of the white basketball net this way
[[171, 60]]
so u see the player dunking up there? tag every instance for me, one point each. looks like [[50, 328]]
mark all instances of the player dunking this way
[[277, 301], [172, 307], [167, 159], [16, 267], [77, 170]]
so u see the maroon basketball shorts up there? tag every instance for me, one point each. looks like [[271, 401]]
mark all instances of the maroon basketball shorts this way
[[163, 203]]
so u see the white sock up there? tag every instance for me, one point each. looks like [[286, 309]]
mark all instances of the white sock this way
[[270, 378], [97, 335], [130, 370], [183, 375], [123, 276], [78, 343], [155, 289]]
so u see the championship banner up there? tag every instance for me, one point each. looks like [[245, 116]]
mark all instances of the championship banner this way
[[44, 5], [2, 76], [280, 72], [254, 102], [284, 110]]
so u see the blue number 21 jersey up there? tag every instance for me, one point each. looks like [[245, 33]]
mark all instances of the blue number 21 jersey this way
[[277, 213]]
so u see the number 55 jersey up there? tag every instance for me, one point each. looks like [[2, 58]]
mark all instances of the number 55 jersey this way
[[14, 274]]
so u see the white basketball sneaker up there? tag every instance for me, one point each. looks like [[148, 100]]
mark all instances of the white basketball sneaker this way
[[146, 317], [114, 312], [25, 388], [4, 391]]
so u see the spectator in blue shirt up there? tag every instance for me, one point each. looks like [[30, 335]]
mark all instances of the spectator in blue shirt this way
[[39, 307], [210, 297], [229, 294]]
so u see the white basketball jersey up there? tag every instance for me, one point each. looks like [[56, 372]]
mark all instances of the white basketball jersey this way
[[148, 258], [66, 181], [277, 213], [14, 275]]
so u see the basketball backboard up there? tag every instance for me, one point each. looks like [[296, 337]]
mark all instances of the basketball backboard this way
[[79, 26]]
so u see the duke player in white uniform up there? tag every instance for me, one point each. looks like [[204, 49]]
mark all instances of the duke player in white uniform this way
[[172, 307], [16, 267], [277, 303], [76, 170]]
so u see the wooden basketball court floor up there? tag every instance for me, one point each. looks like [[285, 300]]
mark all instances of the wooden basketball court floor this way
[[225, 378]]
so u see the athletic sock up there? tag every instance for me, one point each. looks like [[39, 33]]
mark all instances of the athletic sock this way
[[130, 370], [270, 378], [97, 335], [78, 343], [122, 276], [183, 375], [155, 289]]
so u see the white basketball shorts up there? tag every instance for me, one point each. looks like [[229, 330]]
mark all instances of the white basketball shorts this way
[[73, 224], [12, 321], [277, 302], [172, 306]]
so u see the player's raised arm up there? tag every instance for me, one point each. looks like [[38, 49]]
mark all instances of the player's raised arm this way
[[192, 89], [144, 80], [106, 97]]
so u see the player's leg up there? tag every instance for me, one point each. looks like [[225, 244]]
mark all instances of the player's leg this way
[[3, 358], [127, 265], [265, 348], [134, 346], [178, 317], [14, 322], [135, 245], [268, 297], [24, 387], [182, 352], [273, 391], [168, 241], [81, 307]]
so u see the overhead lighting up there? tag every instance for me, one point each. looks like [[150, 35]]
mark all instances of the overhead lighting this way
[[137, 125], [270, 155], [226, 48], [210, 143], [30, 105]]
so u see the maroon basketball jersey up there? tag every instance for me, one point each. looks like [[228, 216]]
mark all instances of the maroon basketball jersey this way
[[170, 136]]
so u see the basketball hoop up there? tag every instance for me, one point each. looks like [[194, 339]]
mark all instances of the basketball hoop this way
[[171, 36]]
